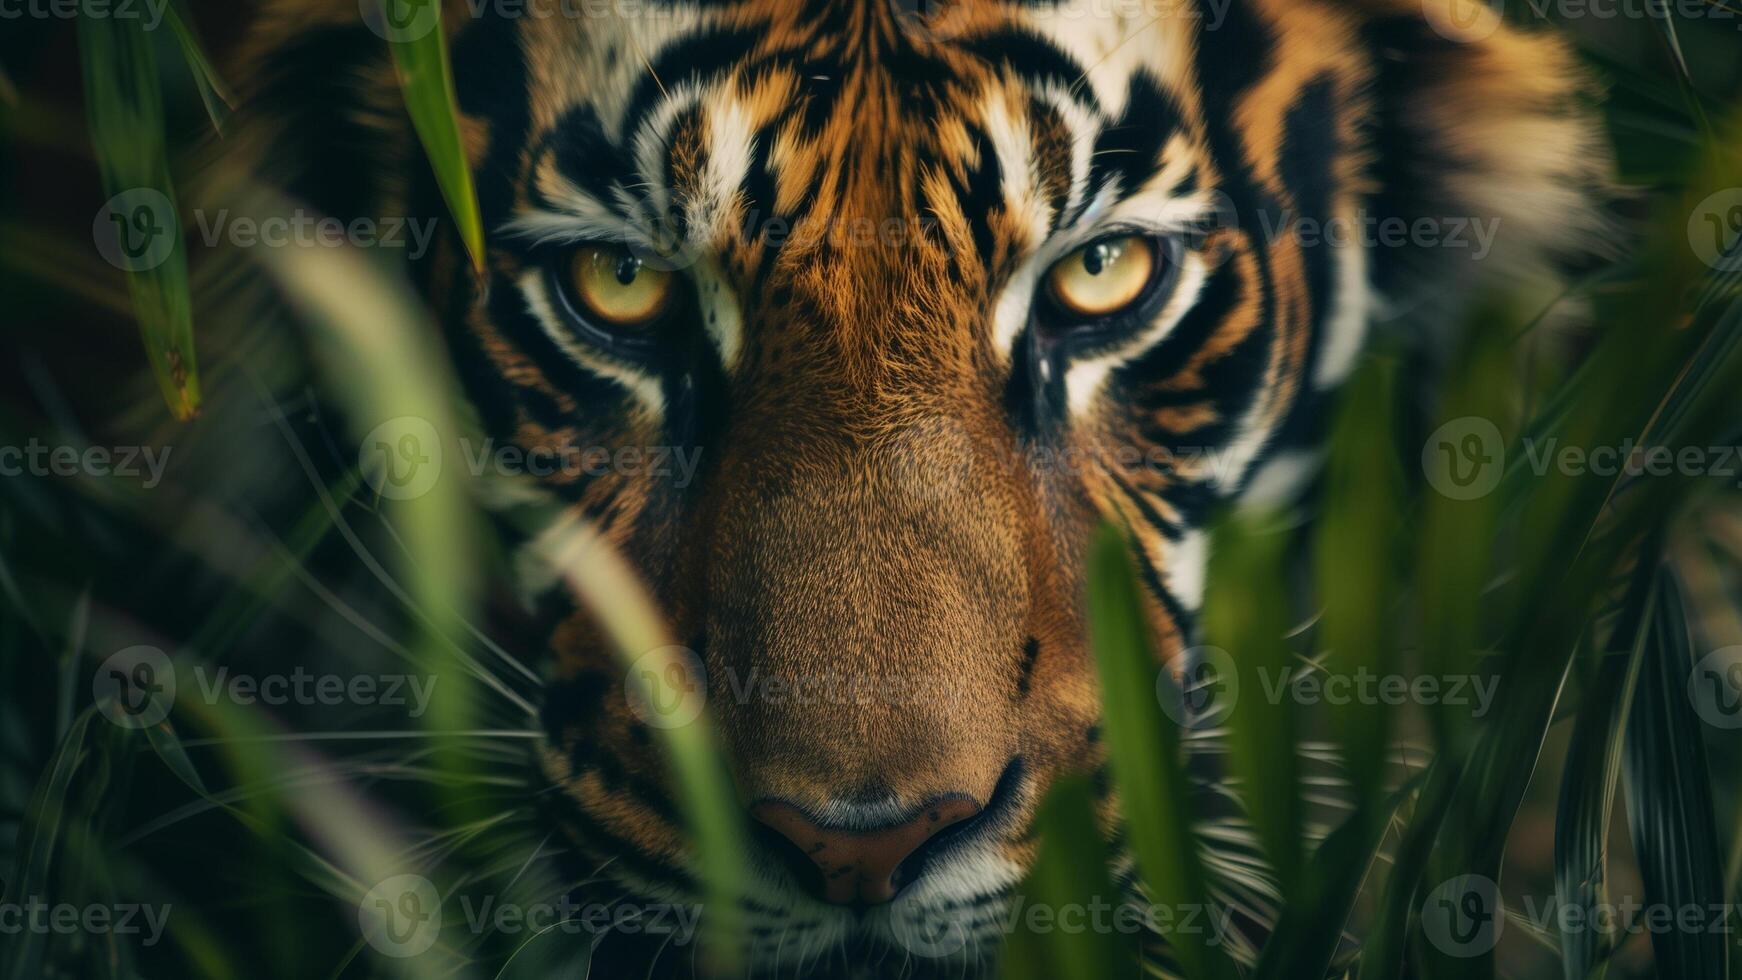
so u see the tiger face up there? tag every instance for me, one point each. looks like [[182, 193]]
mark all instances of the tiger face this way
[[925, 295]]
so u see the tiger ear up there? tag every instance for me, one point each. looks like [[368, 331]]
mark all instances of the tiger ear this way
[[1476, 120]]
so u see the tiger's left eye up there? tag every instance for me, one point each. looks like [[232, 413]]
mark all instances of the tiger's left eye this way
[[611, 287], [1103, 277]]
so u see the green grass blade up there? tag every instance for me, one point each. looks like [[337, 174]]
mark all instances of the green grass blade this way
[[137, 229], [1144, 747], [39, 837], [1356, 565], [1070, 872], [1669, 799], [420, 52], [1382, 956], [213, 95], [1245, 613], [611, 590], [1588, 781], [1311, 929]]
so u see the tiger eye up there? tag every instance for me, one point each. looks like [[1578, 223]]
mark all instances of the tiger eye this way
[[1104, 277], [615, 289]]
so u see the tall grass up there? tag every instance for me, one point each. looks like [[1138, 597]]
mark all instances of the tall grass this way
[[1569, 590]]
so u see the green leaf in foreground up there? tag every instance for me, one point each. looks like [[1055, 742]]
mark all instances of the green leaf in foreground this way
[[1589, 778], [137, 229], [206, 80], [1247, 615], [1069, 878], [420, 53], [1145, 751], [1669, 801]]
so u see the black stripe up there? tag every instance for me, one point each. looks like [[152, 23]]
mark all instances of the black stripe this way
[[1130, 149], [1033, 58], [699, 57]]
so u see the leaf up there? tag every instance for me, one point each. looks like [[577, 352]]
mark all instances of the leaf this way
[[1356, 567], [1589, 777], [1382, 956], [420, 52], [1246, 613], [137, 229], [39, 836], [211, 87], [1306, 938], [1144, 747], [1669, 799], [551, 953], [1070, 873]]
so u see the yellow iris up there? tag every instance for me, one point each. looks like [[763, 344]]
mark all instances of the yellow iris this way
[[1104, 277], [614, 287]]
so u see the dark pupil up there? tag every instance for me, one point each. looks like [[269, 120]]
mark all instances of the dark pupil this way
[[627, 269], [1096, 257]]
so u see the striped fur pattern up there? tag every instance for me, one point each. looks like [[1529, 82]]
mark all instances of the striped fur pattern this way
[[900, 456]]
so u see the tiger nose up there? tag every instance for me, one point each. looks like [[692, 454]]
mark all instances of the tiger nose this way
[[861, 866]]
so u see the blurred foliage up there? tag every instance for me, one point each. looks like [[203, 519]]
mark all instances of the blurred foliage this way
[[1331, 832]]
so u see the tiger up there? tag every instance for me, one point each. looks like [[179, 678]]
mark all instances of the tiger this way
[[927, 292]]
